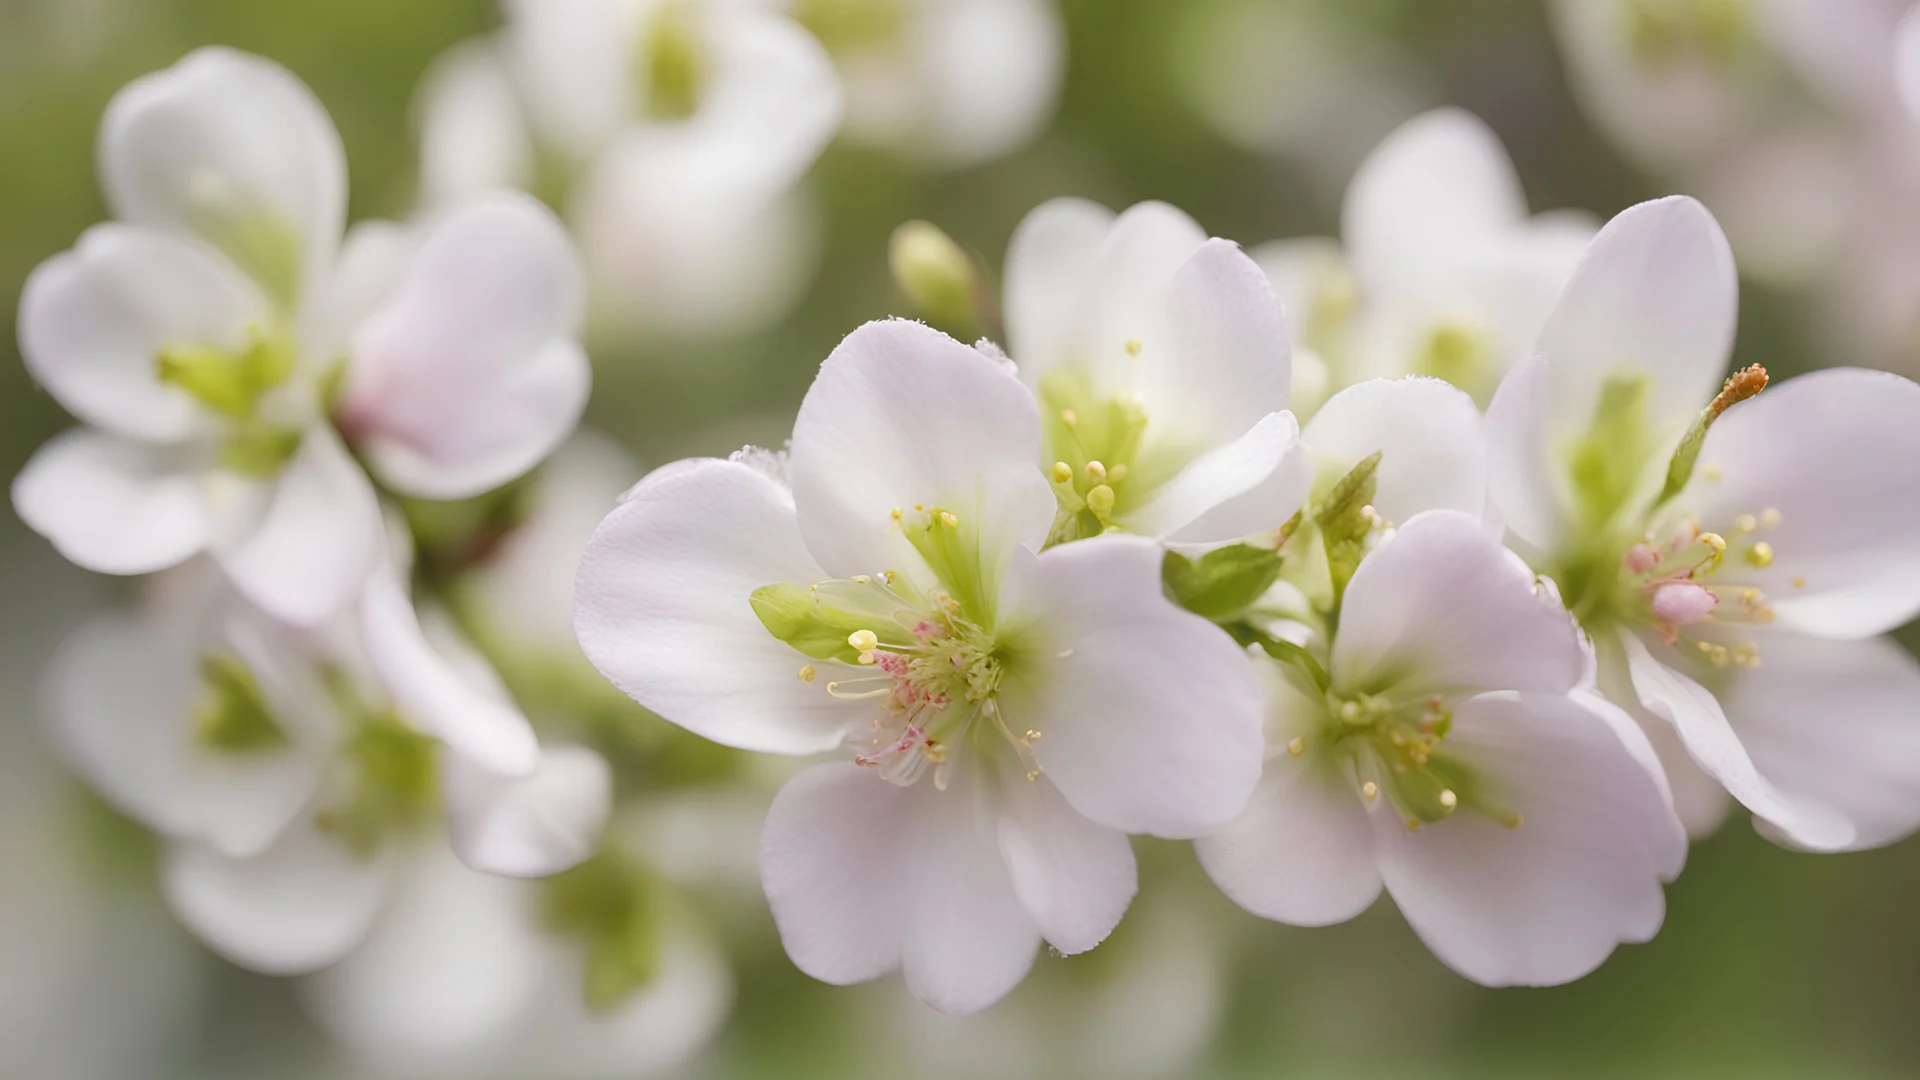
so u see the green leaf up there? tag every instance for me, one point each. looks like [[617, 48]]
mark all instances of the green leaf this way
[[1343, 524], [1222, 583]]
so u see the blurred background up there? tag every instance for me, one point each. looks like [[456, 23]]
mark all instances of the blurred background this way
[[1249, 114]]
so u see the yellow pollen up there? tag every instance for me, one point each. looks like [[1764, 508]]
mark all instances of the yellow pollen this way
[[1714, 541], [897, 515], [1133, 346], [1448, 800], [1096, 472], [1062, 472], [1100, 500], [1761, 554], [1513, 820], [1033, 775], [1117, 473], [1033, 736], [864, 642], [1745, 523], [1069, 417], [1799, 583], [1369, 791], [1769, 518], [807, 673], [1712, 472], [947, 519], [1298, 746], [1413, 826]]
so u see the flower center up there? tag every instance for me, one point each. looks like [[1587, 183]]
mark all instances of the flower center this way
[[233, 715], [674, 63], [232, 385], [1103, 464], [1461, 353], [1397, 747]]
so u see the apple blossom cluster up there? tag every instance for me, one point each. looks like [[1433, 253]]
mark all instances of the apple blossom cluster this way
[[1101, 581]]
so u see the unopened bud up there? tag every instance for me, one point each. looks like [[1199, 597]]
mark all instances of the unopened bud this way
[[935, 274]]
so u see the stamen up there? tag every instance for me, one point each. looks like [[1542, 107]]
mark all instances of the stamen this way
[[1297, 746], [1062, 474], [947, 519], [1096, 472], [807, 673], [1069, 417], [1133, 346], [1369, 791], [1100, 501], [1760, 554], [1770, 518]]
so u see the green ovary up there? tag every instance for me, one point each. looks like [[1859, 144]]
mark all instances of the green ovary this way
[[1104, 461]]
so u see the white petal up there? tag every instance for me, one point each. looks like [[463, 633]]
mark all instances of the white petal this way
[[904, 416], [1655, 293], [831, 861], [1440, 607], [772, 103], [1149, 716], [990, 71], [372, 264], [1303, 852], [1436, 188], [1049, 259], [1524, 486], [309, 555], [532, 826], [1907, 50], [1837, 454], [222, 144], [573, 62], [94, 320], [1833, 721], [1074, 877], [1546, 902], [1427, 433], [1250, 485], [1718, 749], [1126, 298], [452, 963], [473, 718], [1229, 358], [471, 374], [120, 697], [472, 135], [112, 506], [966, 939], [661, 607], [298, 906]]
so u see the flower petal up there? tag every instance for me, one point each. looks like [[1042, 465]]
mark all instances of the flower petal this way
[[1230, 357], [1125, 298], [1436, 188], [1427, 433], [1149, 716], [831, 863], [573, 61], [1074, 878], [1833, 721], [447, 699], [530, 826], [298, 906], [471, 375], [234, 148], [771, 106], [112, 506], [1523, 486], [1440, 607], [662, 609], [309, 555], [1655, 293], [1250, 485], [904, 416], [1049, 258], [990, 73], [1302, 852], [1837, 454], [1717, 748], [1546, 902], [94, 320], [473, 137]]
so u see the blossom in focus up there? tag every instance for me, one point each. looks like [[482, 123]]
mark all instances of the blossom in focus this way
[[1440, 746], [1161, 361], [1734, 556], [671, 134], [1011, 715], [1440, 270], [204, 336]]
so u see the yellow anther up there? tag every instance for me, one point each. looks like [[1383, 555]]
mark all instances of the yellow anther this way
[[1715, 541], [1350, 711], [1100, 500], [1297, 746], [1369, 791], [862, 579], [1711, 472], [1033, 775], [1096, 472], [1745, 523], [1770, 518], [947, 519], [864, 642], [1062, 472], [807, 673], [1413, 826], [1448, 800], [1133, 346], [1069, 417], [897, 515], [1117, 473], [1513, 820], [1032, 736], [1799, 583], [1760, 554]]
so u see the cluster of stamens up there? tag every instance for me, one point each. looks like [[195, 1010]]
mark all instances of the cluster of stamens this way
[[1404, 740], [1676, 579]]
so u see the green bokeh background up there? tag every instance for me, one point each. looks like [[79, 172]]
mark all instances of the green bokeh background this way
[[1770, 964]]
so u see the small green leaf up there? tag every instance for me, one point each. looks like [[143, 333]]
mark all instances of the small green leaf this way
[[1282, 650], [1343, 523], [1223, 582]]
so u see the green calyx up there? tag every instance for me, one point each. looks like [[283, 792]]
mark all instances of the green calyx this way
[[675, 63], [1222, 584], [817, 627], [1102, 467], [233, 715], [611, 905], [1345, 519], [849, 27]]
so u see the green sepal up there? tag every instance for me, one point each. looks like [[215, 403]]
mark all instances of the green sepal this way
[[1343, 525], [233, 715], [793, 614], [1223, 583]]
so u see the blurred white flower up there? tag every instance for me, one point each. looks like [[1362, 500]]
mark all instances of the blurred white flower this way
[[892, 601], [201, 336], [283, 767], [1161, 362], [672, 133], [1442, 273], [1733, 570], [1441, 745]]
